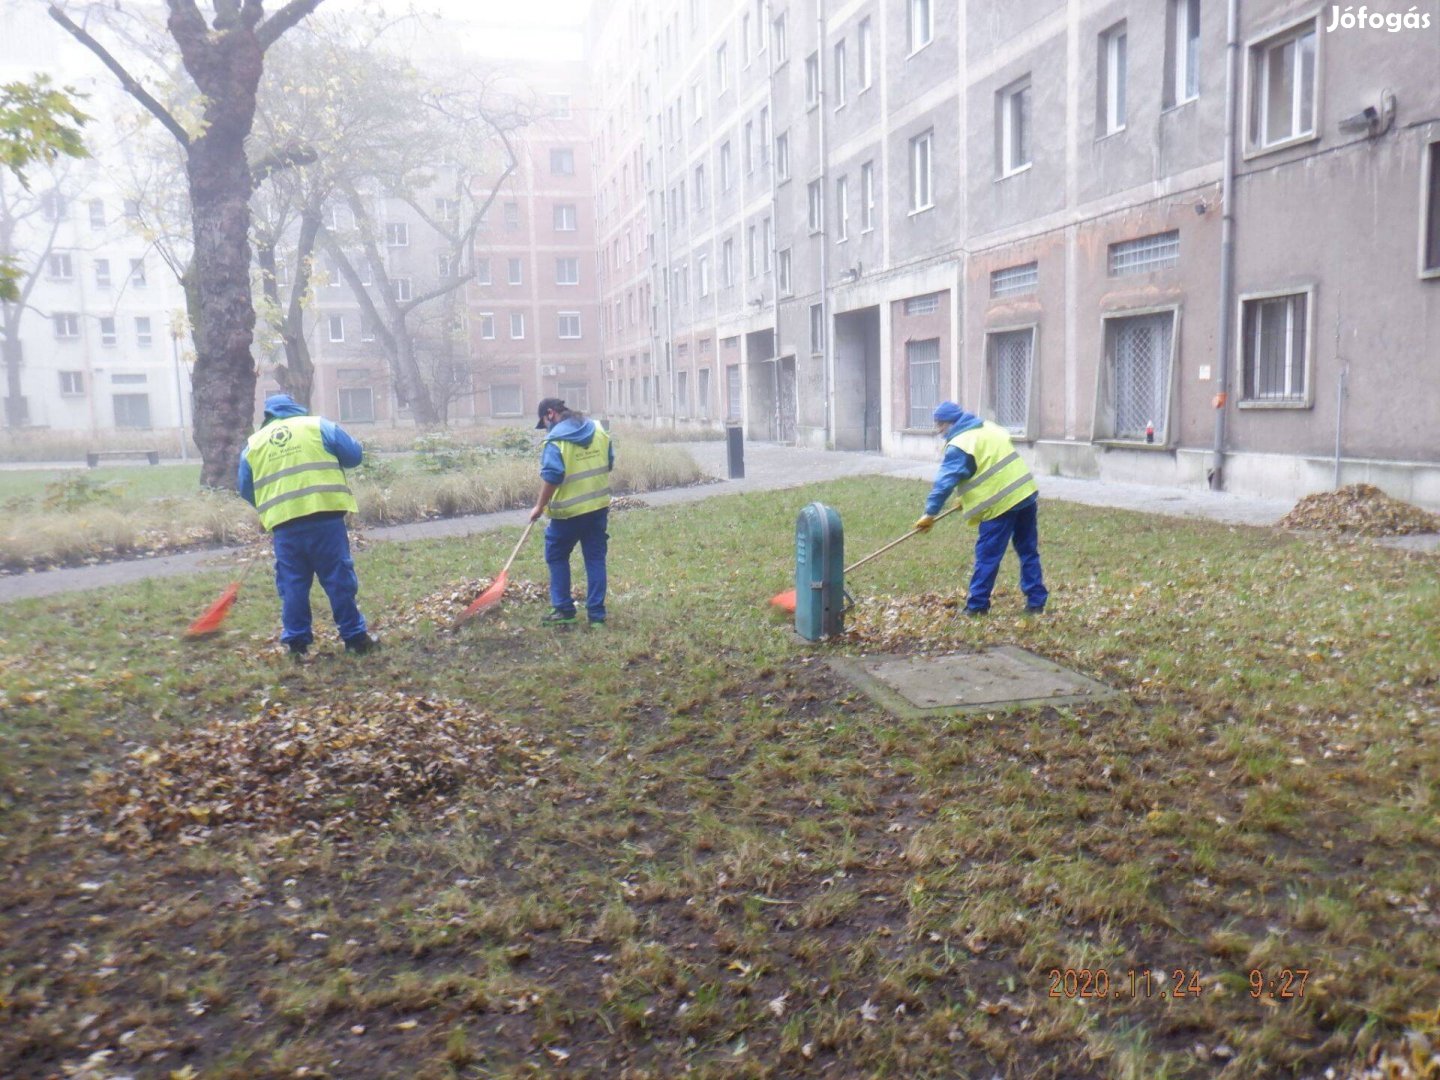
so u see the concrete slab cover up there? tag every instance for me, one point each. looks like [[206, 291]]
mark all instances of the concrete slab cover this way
[[1004, 677]]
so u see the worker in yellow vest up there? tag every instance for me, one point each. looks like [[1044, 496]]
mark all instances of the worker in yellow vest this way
[[998, 494], [293, 472], [575, 464]]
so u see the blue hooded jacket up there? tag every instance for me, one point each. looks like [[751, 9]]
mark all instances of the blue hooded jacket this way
[[956, 467], [571, 429], [335, 439]]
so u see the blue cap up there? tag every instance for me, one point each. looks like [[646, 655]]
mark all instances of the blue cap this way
[[948, 412]]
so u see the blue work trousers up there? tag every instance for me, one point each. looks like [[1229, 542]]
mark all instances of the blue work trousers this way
[[561, 536], [1019, 526], [307, 548]]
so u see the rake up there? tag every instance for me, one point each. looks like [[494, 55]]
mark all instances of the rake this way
[[209, 622], [786, 600], [491, 596]]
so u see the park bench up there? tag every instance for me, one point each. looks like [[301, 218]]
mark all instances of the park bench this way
[[92, 457]]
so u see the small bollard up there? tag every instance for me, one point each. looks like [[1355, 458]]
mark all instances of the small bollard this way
[[735, 449]]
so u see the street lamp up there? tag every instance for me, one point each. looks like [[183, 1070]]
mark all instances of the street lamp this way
[[179, 327]]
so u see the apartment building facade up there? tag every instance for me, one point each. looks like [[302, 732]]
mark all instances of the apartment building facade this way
[[1031, 209]]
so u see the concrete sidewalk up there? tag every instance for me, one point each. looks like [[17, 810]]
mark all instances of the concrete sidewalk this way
[[767, 468]]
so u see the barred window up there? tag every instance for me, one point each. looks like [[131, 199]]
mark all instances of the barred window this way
[[1009, 363], [1015, 280], [1137, 375], [923, 305], [1275, 349], [922, 362], [1145, 253]]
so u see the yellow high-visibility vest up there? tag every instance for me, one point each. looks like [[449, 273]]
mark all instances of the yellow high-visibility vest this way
[[293, 472], [586, 486], [1002, 480]]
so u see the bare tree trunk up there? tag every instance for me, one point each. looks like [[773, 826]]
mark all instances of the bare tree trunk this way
[[15, 417]]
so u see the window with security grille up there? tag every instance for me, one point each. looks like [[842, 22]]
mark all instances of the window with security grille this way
[[1145, 253], [1015, 280], [922, 364], [923, 305], [1010, 358], [702, 393], [357, 403], [1137, 355], [505, 401], [1274, 350], [733, 406], [682, 394]]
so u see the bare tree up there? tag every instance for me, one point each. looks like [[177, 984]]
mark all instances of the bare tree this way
[[224, 58]]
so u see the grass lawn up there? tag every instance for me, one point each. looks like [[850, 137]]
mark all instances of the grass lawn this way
[[689, 849], [137, 481]]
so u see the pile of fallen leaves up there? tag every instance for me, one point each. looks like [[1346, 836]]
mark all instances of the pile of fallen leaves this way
[[1359, 510], [443, 606], [628, 502], [883, 622], [318, 769]]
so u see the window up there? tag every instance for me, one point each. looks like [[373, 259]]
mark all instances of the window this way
[[482, 270], [143, 336], [745, 40], [765, 135], [867, 196], [132, 410], [1275, 358], [697, 102], [783, 277], [567, 325], [816, 200], [1135, 383], [726, 165], [702, 275], [576, 395], [505, 401], [922, 370], [340, 217], [517, 325], [137, 273], [515, 271], [72, 382], [132, 209], [1008, 364], [922, 24], [722, 69], [54, 206], [66, 325], [559, 106], [397, 234], [97, 218], [362, 270], [752, 252], [487, 325], [109, 336], [923, 305], [699, 187], [777, 35], [128, 379], [682, 393], [512, 215], [782, 156], [332, 273], [920, 154], [1014, 280], [562, 161], [1110, 81], [567, 271], [447, 209], [863, 60], [748, 147], [1012, 128], [765, 243], [444, 264], [727, 262], [1144, 254], [564, 216], [367, 328], [842, 209], [60, 267], [337, 327], [812, 80], [1183, 52], [734, 399], [839, 74], [401, 288], [817, 328], [1430, 214], [1282, 87], [357, 404], [702, 393], [102, 273]]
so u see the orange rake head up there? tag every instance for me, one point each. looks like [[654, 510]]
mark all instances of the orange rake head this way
[[785, 600], [487, 599], [209, 622]]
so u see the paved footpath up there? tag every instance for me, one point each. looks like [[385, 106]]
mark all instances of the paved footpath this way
[[767, 468]]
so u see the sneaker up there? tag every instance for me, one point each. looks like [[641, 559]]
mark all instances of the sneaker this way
[[558, 618], [596, 624], [1034, 610], [976, 613], [362, 644], [298, 648]]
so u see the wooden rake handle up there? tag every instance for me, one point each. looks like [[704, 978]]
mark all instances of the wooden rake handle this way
[[518, 545], [875, 554]]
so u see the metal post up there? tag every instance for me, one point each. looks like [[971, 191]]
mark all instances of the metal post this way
[[176, 329], [735, 450]]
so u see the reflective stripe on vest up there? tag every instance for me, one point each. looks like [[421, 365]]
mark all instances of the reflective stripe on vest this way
[[1001, 481], [294, 474], [586, 487]]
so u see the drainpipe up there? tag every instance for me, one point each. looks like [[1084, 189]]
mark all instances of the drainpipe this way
[[668, 346], [1339, 398], [774, 218], [1227, 245], [825, 335]]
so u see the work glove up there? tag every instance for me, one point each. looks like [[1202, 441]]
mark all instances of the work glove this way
[[923, 523]]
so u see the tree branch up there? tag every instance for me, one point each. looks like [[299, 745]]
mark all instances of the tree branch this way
[[128, 81], [269, 31], [278, 160]]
